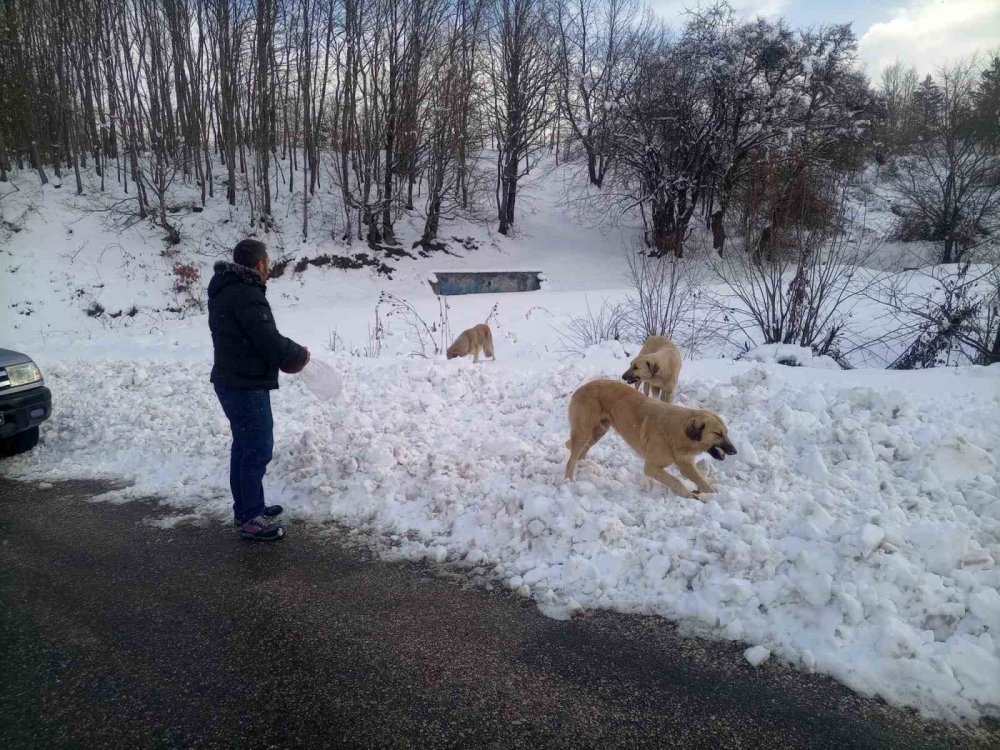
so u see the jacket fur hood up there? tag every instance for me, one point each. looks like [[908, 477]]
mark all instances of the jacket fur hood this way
[[227, 273]]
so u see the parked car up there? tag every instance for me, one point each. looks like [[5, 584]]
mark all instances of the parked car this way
[[25, 402]]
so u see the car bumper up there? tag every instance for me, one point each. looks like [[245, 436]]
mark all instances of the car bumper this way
[[24, 410]]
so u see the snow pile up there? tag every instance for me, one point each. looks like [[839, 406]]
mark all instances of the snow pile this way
[[791, 355], [757, 655], [856, 533], [611, 348]]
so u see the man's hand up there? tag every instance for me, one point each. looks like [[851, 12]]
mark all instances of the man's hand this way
[[296, 366]]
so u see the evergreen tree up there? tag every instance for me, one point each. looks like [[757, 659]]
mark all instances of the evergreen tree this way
[[988, 102], [927, 103]]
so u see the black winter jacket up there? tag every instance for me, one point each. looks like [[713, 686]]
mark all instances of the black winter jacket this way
[[248, 347]]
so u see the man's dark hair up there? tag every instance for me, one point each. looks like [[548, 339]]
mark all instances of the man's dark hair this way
[[249, 253]]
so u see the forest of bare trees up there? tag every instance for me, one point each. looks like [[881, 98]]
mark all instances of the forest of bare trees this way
[[432, 107], [253, 97]]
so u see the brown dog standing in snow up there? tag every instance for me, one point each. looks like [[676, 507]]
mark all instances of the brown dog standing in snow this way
[[656, 368], [477, 339], [662, 434]]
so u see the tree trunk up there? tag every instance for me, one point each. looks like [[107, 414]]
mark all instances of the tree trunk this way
[[345, 136], [595, 178], [994, 354], [718, 231], [387, 231], [431, 225], [76, 168], [463, 185], [265, 112], [36, 162], [508, 189], [305, 202], [763, 250], [557, 137], [662, 222]]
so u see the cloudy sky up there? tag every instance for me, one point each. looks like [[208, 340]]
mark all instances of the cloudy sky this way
[[925, 33]]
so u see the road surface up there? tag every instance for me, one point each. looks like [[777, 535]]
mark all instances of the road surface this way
[[116, 633]]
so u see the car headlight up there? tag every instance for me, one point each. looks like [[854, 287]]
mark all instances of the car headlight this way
[[23, 374]]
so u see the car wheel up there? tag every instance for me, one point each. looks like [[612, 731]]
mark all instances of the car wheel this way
[[19, 443]]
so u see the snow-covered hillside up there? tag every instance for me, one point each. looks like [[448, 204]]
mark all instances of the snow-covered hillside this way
[[856, 533], [68, 256]]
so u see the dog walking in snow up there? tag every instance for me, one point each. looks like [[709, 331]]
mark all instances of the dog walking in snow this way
[[477, 339], [662, 434], [656, 368]]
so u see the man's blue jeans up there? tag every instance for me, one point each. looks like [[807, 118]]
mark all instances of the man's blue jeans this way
[[249, 414]]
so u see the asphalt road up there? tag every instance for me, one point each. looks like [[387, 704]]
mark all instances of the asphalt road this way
[[115, 633]]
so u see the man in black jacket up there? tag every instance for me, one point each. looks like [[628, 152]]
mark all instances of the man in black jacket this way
[[249, 351]]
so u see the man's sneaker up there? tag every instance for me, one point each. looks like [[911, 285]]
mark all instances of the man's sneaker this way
[[270, 511], [261, 528]]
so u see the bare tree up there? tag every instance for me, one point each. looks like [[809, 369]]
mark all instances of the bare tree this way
[[395, 100], [948, 184], [315, 34], [666, 144], [940, 316], [397, 19], [987, 340], [225, 27], [471, 16], [597, 59], [348, 64], [802, 287], [263, 104], [779, 93], [897, 87], [521, 74], [667, 298], [426, 32], [444, 132]]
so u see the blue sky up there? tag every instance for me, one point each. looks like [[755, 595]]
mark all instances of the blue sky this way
[[925, 33]]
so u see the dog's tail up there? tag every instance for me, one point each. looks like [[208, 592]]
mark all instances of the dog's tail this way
[[488, 344]]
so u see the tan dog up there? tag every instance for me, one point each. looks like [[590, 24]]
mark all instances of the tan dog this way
[[477, 339], [662, 434], [656, 368]]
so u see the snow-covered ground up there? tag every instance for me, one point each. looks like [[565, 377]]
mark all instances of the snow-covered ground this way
[[856, 533]]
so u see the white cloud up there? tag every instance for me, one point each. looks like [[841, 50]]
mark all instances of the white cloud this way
[[673, 10], [929, 33]]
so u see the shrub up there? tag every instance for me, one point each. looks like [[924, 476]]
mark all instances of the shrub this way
[[187, 286], [603, 324], [277, 270]]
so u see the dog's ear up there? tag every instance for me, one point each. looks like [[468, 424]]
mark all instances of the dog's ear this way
[[694, 429], [653, 368]]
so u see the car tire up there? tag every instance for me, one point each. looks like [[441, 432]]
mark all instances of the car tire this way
[[19, 443]]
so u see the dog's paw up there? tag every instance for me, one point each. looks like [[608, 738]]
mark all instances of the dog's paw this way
[[696, 495]]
